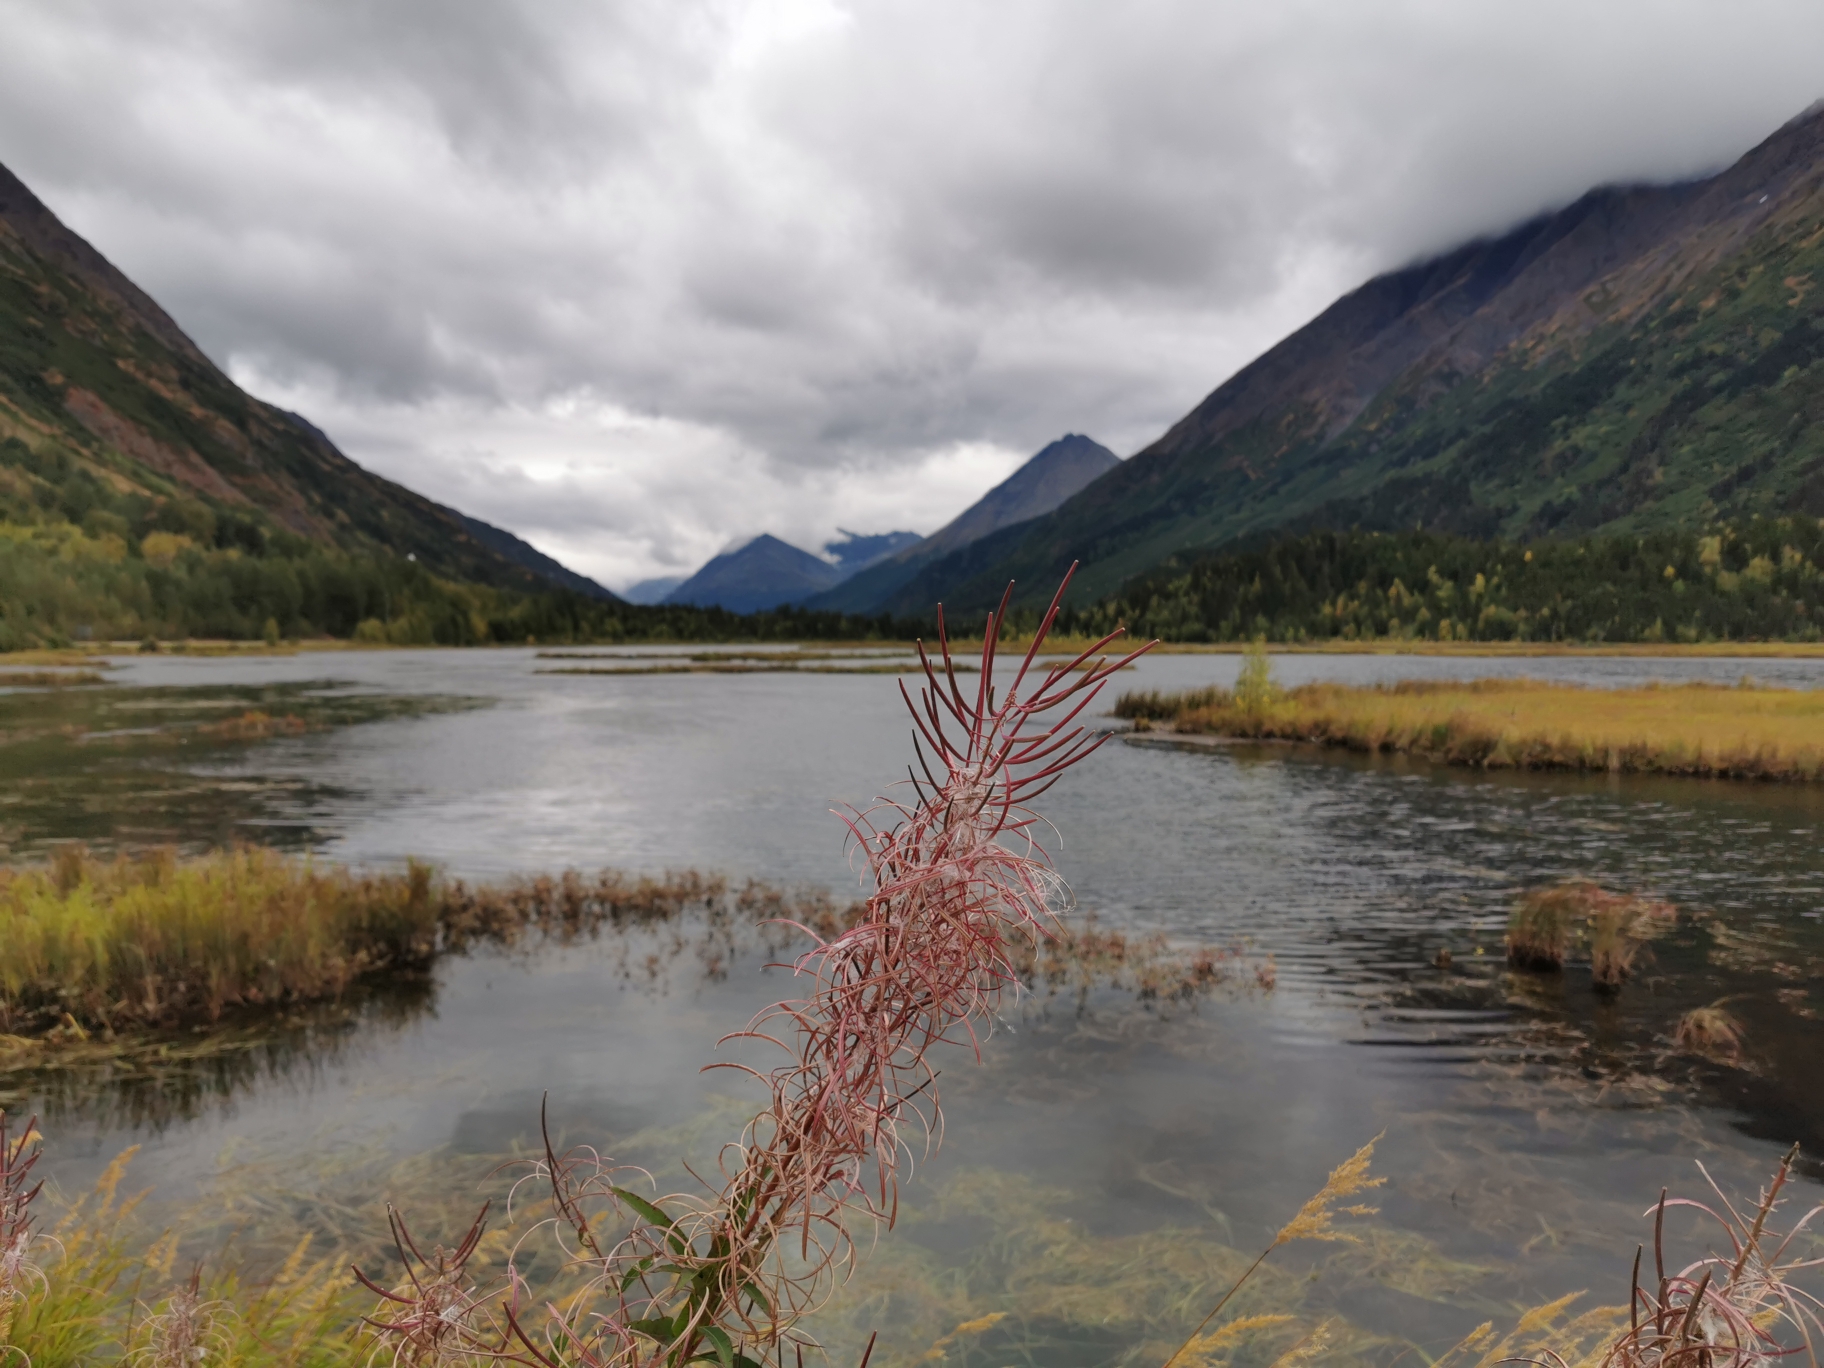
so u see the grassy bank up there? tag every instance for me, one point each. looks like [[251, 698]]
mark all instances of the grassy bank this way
[[90, 946], [1691, 729], [93, 948]]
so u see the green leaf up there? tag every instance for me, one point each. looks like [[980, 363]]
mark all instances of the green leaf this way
[[654, 1327], [725, 1347], [756, 1296], [743, 1361], [655, 1215], [634, 1274]]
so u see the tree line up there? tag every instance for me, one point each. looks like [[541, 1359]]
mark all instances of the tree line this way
[[1758, 580], [80, 560]]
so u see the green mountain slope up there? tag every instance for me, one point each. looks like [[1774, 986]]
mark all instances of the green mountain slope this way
[[100, 386], [1646, 358]]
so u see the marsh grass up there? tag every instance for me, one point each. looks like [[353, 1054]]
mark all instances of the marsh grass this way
[[48, 679], [1704, 730], [93, 948], [103, 959], [1711, 1031], [741, 667], [1548, 923]]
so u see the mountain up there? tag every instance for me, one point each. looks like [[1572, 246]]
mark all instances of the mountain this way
[[529, 557], [100, 386], [1044, 482], [766, 572], [855, 551], [758, 574], [1645, 358], [649, 591]]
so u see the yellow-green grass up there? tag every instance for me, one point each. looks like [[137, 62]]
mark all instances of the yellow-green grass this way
[[97, 946], [90, 946], [1740, 732], [93, 953]]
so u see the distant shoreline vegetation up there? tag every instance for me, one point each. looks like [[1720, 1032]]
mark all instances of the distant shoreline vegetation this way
[[1761, 580], [106, 579], [82, 562]]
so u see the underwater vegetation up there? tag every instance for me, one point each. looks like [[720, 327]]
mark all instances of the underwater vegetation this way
[[590, 1259]]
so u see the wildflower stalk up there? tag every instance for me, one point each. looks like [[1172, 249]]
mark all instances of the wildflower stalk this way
[[20, 1274], [1315, 1221], [960, 884]]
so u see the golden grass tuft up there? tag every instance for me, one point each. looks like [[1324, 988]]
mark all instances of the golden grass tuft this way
[[93, 951], [1702, 730], [88, 945], [1711, 1032], [1548, 921], [91, 947]]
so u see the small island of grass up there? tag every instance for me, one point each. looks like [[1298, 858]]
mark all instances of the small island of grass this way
[[1706, 730]]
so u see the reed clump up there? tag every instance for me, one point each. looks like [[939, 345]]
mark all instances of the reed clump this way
[[1711, 1031], [94, 950], [1745, 731], [1548, 923], [91, 946]]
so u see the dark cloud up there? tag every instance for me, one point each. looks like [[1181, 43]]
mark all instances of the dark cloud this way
[[645, 276]]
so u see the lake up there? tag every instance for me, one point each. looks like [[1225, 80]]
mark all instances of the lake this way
[[1102, 1142]]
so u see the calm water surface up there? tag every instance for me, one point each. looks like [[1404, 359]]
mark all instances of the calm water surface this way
[[1528, 1121]]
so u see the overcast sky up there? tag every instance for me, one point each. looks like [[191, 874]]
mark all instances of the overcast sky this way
[[637, 279]]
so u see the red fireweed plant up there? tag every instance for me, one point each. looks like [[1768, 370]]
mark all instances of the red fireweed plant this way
[[960, 885], [20, 1274]]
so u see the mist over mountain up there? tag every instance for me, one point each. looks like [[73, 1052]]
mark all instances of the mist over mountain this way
[[854, 551], [1050, 477], [649, 591], [1643, 358]]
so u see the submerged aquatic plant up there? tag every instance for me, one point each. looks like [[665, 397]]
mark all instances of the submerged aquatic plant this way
[[960, 884], [1712, 1032]]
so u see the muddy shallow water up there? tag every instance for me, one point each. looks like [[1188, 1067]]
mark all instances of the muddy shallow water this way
[[1528, 1120]]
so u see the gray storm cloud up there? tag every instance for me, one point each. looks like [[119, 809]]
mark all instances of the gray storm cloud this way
[[637, 278]]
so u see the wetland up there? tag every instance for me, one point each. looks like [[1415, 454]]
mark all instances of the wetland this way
[[1117, 1155]]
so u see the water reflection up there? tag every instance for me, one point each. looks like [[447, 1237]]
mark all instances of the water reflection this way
[[1529, 1119], [124, 768]]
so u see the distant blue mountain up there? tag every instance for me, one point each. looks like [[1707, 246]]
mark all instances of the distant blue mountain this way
[[758, 574], [766, 572], [649, 591]]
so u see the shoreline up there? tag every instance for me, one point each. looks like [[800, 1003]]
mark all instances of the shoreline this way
[[1703, 731], [91, 653]]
